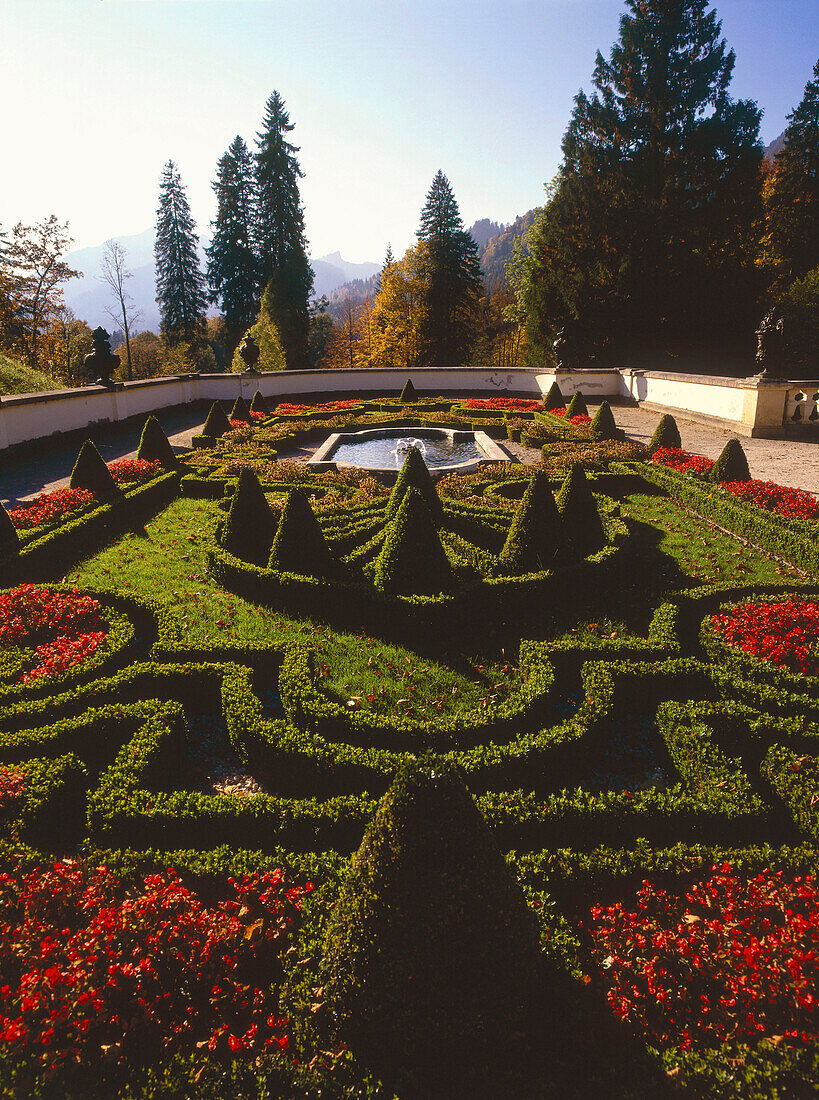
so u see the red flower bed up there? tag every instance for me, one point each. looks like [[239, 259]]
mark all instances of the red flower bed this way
[[558, 412], [258, 415], [66, 624], [734, 959], [134, 469], [239, 423], [12, 788], [786, 633], [684, 461], [581, 418], [50, 507], [89, 968], [794, 503], [286, 407], [501, 403]]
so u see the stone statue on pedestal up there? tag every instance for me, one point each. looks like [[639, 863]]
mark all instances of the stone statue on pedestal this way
[[101, 361], [249, 352], [770, 346]]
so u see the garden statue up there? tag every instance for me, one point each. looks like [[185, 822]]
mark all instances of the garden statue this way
[[101, 361], [249, 351], [770, 346]]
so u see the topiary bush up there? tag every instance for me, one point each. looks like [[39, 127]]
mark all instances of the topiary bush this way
[[554, 399], [250, 526], [732, 465], [666, 434], [155, 446], [432, 963], [240, 410], [577, 406], [415, 475], [299, 545], [409, 393], [603, 425], [217, 422], [259, 404], [90, 472], [536, 535], [412, 561], [9, 539], [583, 529]]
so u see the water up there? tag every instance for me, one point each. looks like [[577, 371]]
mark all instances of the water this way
[[387, 452]]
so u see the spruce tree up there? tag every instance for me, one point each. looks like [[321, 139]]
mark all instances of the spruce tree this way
[[284, 270], [180, 285], [454, 283], [646, 243], [232, 277]]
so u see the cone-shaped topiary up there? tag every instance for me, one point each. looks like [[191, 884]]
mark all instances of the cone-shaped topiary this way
[[431, 964], [155, 446], [577, 406], [583, 529], [415, 475], [217, 422], [412, 561], [299, 545], [732, 465], [259, 405], [240, 410], [408, 393], [250, 525], [9, 539], [666, 434], [603, 424], [90, 472], [554, 399], [536, 534]]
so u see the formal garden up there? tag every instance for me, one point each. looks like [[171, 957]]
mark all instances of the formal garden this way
[[318, 782]]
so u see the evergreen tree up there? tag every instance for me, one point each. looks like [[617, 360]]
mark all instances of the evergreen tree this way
[[648, 234], [180, 289], [281, 248], [232, 278], [454, 285]]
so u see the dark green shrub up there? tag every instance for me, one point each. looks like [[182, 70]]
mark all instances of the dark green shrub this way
[[412, 561], [90, 472], [603, 424], [554, 399], [732, 465], [535, 537], [259, 405], [240, 410], [217, 422], [299, 545], [250, 525], [577, 406], [154, 445], [409, 392], [415, 475], [583, 530], [432, 960], [666, 434], [9, 539]]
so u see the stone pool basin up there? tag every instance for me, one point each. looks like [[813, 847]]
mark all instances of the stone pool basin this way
[[445, 450]]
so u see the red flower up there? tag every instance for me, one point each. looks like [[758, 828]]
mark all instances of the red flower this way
[[683, 461], [67, 626], [50, 507], [793, 503], [134, 470], [512, 403], [786, 633]]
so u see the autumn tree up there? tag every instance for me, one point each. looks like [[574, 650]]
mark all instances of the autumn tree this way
[[232, 264], [180, 284], [648, 237], [281, 248], [115, 275], [345, 347], [399, 313], [454, 285]]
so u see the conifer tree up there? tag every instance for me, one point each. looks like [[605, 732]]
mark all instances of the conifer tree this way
[[281, 248], [180, 286], [454, 284], [232, 277], [646, 243]]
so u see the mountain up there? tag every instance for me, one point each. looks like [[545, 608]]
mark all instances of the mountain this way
[[89, 298], [483, 231], [775, 146], [498, 249]]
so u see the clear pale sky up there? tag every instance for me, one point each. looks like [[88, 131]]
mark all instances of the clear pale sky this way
[[98, 94]]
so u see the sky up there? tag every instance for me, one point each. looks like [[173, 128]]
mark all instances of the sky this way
[[98, 94]]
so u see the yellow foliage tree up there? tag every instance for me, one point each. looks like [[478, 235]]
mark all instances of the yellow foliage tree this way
[[399, 312]]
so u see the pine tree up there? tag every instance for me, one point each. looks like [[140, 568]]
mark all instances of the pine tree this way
[[281, 248], [180, 286], [648, 235], [232, 276], [454, 286]]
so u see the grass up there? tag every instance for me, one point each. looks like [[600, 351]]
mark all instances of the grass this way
[[17, 377], [167, 562]]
